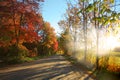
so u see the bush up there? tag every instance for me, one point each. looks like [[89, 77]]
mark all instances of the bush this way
[[44, 51], [13, 54]]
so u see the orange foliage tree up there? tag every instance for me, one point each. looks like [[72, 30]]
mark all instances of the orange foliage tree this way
[[49, 40], [21, 25], [20, 21]]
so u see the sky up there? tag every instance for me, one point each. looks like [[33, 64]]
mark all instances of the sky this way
[[53, 11]]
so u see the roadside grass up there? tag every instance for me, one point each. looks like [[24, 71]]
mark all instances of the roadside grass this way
[[29, 59], [23, 60], [106, 75], [77, 64], [101, 74]]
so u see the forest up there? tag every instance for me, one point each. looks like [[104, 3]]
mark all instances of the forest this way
[[90, 33], [23, 32]]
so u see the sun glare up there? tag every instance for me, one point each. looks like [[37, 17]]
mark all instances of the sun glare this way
[[108, 44], [112, 42]]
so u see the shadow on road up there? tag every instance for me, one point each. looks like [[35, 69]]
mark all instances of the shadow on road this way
[[52, 68]]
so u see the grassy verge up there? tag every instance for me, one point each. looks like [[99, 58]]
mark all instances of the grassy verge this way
[[101, 74], [26, 59], [75, 61], [106, 75]]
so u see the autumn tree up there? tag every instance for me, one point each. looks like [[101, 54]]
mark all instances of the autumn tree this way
[[48, 43], [20, 22], [71, 26]]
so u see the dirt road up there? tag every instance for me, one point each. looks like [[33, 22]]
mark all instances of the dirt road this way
[[51, 68]]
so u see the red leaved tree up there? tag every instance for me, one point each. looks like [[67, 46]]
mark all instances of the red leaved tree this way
[[20, 21]]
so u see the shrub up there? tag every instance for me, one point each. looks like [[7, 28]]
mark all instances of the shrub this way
[[13, 54]]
